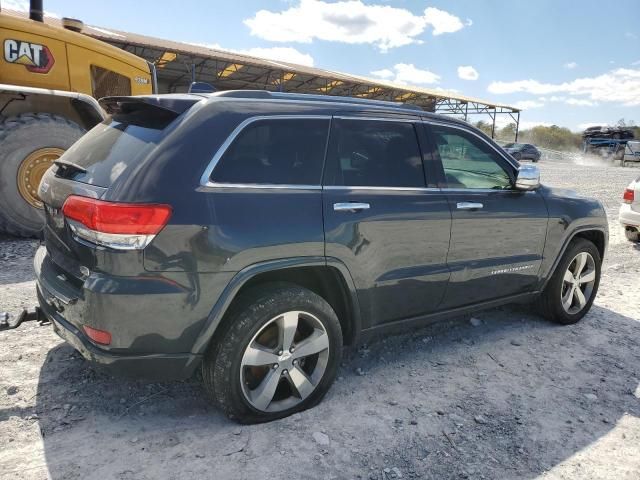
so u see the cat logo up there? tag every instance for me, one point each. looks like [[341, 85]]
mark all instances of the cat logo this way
[[36, 58]]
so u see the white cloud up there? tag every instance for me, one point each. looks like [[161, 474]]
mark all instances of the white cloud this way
[[580, 102], [621, 85], [584, 126], [570, 65], [467, 72], [631, 36], [441, 21], [283, 54], [385, 73], [407, 74], [350, 21], [528, 104], [636, 63]]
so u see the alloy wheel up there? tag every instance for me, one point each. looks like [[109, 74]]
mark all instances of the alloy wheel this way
[[578, 283], [284, 362]]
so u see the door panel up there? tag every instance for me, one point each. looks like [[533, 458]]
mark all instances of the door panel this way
[[395, 240], [496, 251], [396, 250], [497, 232]]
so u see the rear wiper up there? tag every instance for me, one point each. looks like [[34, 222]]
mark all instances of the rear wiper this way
[[66, 168]]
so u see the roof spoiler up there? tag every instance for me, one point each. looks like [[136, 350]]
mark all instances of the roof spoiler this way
[[168, 104]]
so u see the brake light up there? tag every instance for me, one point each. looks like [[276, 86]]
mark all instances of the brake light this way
[[123, 226], [98, 336], [628, 196]]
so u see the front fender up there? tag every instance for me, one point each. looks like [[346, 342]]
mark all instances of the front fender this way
[[569, 215]]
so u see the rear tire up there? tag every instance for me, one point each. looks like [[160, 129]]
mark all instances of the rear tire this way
[[20, 137], [250, 354], [632, 235], [561, 285]]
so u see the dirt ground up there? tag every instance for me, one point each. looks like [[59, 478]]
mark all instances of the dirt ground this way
[[505, 395]]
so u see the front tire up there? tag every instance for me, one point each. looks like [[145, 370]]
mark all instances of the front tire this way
[[277, 353], [572, 289]]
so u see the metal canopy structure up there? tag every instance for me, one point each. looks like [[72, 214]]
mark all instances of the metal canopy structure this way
[[179, 64]]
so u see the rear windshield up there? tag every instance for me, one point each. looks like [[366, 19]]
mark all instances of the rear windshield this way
[[110, 149]]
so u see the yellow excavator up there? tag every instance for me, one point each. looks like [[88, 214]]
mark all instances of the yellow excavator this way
[[50, 78]]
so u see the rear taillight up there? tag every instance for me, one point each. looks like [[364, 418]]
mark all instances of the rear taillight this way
[[628, 195], [122, 226]]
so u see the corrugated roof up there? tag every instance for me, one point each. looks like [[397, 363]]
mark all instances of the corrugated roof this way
[[231, 70]]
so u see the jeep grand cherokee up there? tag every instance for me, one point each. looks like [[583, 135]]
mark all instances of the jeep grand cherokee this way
[[253, 234]]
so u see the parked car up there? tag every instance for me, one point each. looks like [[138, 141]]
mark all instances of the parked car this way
[[631, 152], [523, 151], [629, 215], [605, 131], [253, 234]]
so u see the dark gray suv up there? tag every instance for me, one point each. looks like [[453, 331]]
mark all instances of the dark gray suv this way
[[254, 234]]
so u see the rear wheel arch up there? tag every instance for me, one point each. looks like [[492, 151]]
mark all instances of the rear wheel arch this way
[[327, 278]]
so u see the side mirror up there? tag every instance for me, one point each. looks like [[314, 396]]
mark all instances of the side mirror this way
[[528, 177]]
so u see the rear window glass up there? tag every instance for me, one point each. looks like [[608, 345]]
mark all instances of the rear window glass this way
[[109, 149], [276, 152]]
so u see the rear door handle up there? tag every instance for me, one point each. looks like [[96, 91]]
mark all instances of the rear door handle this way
[[469, 206], [350, 207]]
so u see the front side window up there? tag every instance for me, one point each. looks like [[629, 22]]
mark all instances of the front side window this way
[[468, 161], [374, 154], [276, 152], [106, 83]]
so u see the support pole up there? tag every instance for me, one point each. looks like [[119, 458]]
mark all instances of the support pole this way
[[193, 72], [517, 127], [493, 126], [466, 111]]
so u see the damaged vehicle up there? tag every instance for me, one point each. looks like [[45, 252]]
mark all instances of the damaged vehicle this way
[[252, 234]]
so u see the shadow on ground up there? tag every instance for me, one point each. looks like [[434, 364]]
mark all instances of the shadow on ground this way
[[511, 398]]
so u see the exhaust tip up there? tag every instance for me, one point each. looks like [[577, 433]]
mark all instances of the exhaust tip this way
[[72, 24]]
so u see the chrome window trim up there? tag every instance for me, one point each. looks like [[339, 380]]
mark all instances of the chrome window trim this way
[[390, 189], [260, 186], [466, 129], [206, 176], [378, 119]]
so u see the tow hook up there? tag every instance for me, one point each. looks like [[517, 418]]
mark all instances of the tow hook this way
[[8, 321]]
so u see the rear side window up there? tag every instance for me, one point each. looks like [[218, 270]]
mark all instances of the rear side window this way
[[275, 152], [105, 83], [374, 153]]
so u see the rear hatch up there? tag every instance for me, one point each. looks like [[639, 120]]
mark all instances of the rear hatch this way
[[110, 150]]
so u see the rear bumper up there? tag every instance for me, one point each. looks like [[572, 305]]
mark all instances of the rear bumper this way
[[152, 366], [68, 309], [629, 217]]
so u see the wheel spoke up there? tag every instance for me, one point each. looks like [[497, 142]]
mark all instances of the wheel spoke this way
[[568, 277], [314, 343], [256, 356], [287, 326], [581, 261], [567, 300], [580, 298], [300, 382], [588, 277], [263, 394]]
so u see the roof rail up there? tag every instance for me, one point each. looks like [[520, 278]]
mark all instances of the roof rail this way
[[265, 94]]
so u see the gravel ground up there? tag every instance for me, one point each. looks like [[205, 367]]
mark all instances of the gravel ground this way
[[503, 395]]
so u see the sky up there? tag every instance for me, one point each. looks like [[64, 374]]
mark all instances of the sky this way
[[566, 63]]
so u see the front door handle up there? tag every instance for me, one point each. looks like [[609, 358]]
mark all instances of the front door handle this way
[[350, 207], [469, 206]]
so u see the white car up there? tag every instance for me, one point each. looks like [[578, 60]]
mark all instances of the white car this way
[[630, 211]]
